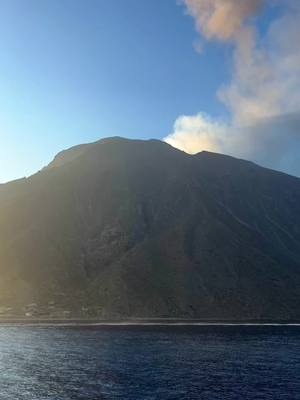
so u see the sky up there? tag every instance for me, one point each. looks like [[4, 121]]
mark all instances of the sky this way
[[75, 71]]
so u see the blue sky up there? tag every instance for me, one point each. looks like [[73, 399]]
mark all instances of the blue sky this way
[[75, 71]]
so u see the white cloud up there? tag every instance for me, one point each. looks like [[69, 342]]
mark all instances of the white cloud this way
[[195, 133]]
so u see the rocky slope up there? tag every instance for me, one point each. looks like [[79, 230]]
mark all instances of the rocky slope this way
[[137, 228]]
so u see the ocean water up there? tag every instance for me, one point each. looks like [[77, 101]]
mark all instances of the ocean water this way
[[143, 363]]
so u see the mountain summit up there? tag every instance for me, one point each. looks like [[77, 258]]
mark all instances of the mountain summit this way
[[133, 228]]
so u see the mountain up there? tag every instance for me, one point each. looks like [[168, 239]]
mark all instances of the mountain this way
[[133, 228]]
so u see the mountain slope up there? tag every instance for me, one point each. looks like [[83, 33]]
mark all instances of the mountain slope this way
[[137, 228]]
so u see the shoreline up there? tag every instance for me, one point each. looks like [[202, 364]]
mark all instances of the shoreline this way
[[141, 322]]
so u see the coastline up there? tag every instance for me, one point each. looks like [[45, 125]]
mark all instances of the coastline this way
[[136, 322]]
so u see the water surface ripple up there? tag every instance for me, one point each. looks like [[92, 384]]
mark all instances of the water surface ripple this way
[[150, 363]]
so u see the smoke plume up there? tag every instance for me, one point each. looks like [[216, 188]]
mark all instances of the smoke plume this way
[[264, 92], [222, 19]]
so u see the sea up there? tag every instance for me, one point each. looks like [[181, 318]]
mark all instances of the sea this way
[[149, 362]]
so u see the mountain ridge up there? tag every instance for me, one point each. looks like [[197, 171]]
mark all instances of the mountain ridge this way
[[140, 229]]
